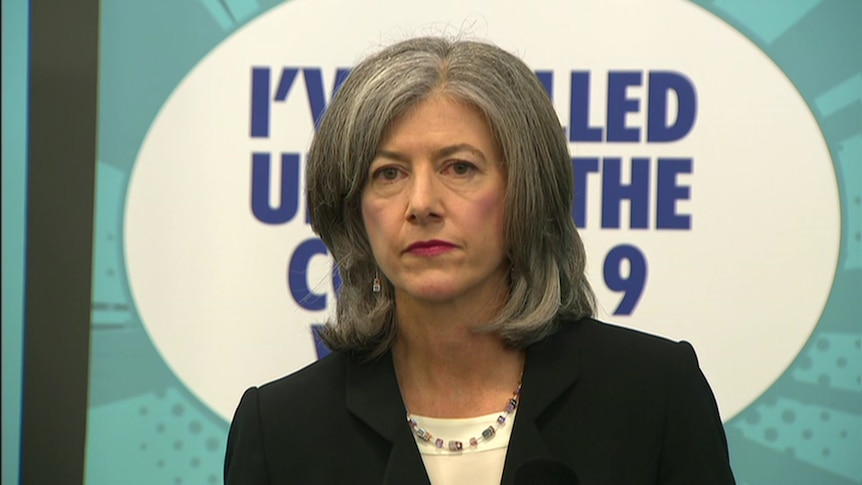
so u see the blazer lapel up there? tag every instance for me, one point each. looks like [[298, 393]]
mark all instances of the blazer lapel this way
[[373, 397], [552, 366]]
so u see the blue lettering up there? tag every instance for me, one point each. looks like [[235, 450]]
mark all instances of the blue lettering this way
[[660, 83], [260, 92], [288, 75], [581, 167], [297, 275], [632, 284], [614, 192], [547, 80], [314, 89], [260, 97], [579, 110], [669, 192], [260, 102], [619, 105], [260, 182]]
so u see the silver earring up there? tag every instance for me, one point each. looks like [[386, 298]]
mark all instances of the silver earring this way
[[375, 283]]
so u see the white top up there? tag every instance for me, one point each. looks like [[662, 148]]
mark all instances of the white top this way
[[480, 465]]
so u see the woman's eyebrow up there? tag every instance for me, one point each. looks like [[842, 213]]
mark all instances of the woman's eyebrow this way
[[453, 149], [392, 156], [436, 154]]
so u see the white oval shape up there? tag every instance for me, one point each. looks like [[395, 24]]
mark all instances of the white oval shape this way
[[746, 285]]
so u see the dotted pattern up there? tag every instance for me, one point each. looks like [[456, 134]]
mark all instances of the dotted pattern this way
[[849, 166], [833, 361], [806, 428], [157, 438], [825, 438]]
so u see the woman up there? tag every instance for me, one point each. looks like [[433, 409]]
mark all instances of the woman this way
[[463, 347]]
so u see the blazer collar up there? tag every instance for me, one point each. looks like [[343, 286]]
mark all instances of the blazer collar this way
[[373, 396], [552, 366]]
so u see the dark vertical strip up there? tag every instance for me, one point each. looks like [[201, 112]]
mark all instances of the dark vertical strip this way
[[61, 171]]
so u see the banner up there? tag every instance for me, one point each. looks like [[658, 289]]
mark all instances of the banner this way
[[716, 149]]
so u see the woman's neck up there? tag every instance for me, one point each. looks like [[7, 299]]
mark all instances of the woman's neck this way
[[447, 369]]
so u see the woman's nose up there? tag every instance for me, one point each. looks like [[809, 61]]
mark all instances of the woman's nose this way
[[423, 204]]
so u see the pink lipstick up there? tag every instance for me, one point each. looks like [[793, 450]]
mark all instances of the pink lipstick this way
[[429, 248]]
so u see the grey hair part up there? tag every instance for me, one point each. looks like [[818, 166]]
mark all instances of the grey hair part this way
[[547, 258]]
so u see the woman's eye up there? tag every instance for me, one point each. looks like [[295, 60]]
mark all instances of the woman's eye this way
[[461, 168], [387, 173]]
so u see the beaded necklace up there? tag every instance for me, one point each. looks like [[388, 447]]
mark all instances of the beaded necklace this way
[[486, 435]]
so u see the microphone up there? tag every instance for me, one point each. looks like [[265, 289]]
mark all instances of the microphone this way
[[545, 471]]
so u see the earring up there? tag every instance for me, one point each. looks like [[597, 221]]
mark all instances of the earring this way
[[375, 283]]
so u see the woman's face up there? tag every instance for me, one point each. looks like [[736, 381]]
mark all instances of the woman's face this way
[[433, 205]]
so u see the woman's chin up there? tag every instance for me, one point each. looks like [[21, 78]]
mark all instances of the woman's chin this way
[[428, 295], [446, 292]]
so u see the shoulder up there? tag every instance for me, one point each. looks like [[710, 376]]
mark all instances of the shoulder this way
[[675, 407], [609, 362], [280, 428], [615, 358], [305, 390], [625, 406], [592, 329], [607, 343], [270, 419]]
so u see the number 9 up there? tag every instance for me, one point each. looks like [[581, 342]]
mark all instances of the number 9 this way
[[633, 283]]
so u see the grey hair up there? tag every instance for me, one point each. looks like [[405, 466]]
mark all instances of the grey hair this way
[[547, 259]]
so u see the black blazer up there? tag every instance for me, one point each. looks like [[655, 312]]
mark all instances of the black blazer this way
[[615, 405]]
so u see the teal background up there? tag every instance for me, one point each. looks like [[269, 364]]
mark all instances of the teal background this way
[[807, 428], [15, 21], [145, 427]]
